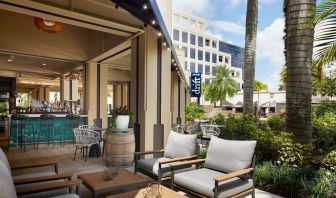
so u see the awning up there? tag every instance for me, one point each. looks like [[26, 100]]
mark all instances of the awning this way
[[238, 105], [227, 104], [268, 104]]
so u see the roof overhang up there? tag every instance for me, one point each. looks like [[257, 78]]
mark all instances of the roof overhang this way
[[152, 12]]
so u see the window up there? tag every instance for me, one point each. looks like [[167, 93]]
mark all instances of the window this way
[[214, 58], [186, 65], [192, 39], [226, 59], [207, 70], [200, 68], [214, 44], [220, 58], [238, 74], [207, 42], [238, 86], [176, 18], [272, 95], [185, 49], [192, 53], [192, 23], [200, 25], [232, 73], [207, 81], [185, 37], [176, 35], [192, 67], [207, 56], [200, 41], [200, 55], [185, 20], [213, 71]]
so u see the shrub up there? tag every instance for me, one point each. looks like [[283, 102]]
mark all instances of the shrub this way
[[329, 161], [323, 184], [202, 153], [276, 123], [193, 111], [282, 180], [324, 107], [238, 127], [265, 150], [324, 132]]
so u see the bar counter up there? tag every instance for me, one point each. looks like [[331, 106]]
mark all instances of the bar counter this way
[[62, 131]]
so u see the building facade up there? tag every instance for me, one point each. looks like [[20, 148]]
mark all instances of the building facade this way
[[202, 51]]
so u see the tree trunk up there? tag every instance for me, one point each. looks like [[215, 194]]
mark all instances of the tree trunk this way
[[298, 51], [250, 54]]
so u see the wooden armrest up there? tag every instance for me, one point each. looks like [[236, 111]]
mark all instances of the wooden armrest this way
[[190, 162], [47, 187], [43, 178], [148, 152], [24, 165], [177, 159], [233, 174]]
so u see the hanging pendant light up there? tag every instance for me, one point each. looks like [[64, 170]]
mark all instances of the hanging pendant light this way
[[46, 25]]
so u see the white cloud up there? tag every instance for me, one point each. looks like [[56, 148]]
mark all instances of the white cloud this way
[[196, 7], [216, 35], [270, 47], [226, 26]]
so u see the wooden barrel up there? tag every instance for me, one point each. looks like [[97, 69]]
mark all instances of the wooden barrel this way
[[119, 147]]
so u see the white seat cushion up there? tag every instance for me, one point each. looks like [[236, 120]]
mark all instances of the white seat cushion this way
[[229, 155], [180, 145], [7, 189], [201, 181], [151, 165], [4, 159]]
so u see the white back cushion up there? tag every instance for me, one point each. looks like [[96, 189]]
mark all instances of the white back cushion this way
[[3, 158], [7, 189], [229, 155], [180, 145]]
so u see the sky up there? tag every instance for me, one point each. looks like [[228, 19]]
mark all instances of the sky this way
[[226, 20]]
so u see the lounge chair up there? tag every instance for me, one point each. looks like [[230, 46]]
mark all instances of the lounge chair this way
[[179, 147], [33, 187], [227, 171]]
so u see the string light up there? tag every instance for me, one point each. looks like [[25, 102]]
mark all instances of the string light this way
[[153, 22], [144, 6], [173, 60], [164, 43]]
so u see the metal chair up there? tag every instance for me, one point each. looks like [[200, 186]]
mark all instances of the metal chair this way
[[21, 122], [84, 139], [208, 131]]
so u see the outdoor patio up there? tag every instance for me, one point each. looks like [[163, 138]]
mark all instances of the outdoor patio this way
[[66, 164]]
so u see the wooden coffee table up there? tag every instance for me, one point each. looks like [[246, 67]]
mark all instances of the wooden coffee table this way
[[123, 182], [165, 192]]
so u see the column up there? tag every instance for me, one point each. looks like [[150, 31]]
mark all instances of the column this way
[[91, 91], [47, 93], [96, 92], [150, 90], [41, 93]]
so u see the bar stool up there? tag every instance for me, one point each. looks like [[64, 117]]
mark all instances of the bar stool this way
[[72, 121], [21, 122], [49, 124]]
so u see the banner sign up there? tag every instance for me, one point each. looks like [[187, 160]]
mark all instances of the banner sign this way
[[196, 87]]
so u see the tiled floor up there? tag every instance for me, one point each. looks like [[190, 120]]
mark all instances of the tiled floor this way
[[67, 164]]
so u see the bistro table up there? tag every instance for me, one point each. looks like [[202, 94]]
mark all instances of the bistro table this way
[[124, 181]]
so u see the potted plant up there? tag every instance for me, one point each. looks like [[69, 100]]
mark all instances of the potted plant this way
[[120, 118]]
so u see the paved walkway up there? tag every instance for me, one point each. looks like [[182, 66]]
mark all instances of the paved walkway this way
[[65, 156]]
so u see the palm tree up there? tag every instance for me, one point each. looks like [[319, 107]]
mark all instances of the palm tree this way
[[299, 38], [250, 53], [325, 35], [258, 86], [222, 85], [213, 97]]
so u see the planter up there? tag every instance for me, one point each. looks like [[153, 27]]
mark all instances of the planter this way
[[122, 121]]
